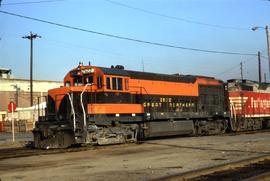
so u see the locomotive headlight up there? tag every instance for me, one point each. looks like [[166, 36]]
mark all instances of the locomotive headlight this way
[[148, 116]]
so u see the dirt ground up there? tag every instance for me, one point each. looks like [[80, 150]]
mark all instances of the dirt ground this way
[[151, 159], [20, 139]]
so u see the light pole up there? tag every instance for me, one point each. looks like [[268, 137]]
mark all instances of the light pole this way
[[267, 40]]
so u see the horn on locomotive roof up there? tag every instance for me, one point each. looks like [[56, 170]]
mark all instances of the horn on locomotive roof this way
[[120, 67]]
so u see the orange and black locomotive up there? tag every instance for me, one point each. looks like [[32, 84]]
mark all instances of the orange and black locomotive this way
[[99, 105]]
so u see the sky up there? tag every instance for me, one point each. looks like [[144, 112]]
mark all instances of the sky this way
[[215, 25]]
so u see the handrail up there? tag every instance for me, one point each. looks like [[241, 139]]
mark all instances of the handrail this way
[[73, 112], [150, 99], [141, 91], [141, 88], [84, 115], [233, 116]]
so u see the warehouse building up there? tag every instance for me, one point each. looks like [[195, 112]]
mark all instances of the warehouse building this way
[[18, 91]]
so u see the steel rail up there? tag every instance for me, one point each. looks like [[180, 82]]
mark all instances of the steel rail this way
[[212, 169]]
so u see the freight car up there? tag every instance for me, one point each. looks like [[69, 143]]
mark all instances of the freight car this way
[[249, 103], [99, 105]]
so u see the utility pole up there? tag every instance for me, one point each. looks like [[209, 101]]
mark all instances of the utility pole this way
[[268, 46], [260, 70], [31, 37], [241, 94], [241, 69]]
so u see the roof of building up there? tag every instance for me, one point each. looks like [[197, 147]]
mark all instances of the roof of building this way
[[5, 70]]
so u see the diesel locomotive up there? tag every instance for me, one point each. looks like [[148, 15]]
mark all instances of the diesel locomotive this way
[[100, 106], [249, 103]]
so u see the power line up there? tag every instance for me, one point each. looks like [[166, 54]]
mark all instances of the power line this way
[[236, 66], [31, 2], [175, 18], [69, 44], [127, 38]]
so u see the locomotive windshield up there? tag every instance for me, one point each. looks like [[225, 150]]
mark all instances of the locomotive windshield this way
[[79, 80], [88, 80]]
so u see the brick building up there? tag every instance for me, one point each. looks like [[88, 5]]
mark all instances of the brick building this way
[[18, 90]]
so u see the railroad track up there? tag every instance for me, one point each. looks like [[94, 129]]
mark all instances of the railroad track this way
[[247, 132], [6, 153], [261, 177], [26, 151], [256, 168]]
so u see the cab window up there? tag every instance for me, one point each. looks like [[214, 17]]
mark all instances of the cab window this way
[[88, 80], [126, 84], [117, 83], [67, 84], [114, 85], [108, 83], [99, 82], [120, 84], [77, 81]]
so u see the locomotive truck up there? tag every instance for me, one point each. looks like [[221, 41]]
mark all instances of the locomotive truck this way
[[100, 106]]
